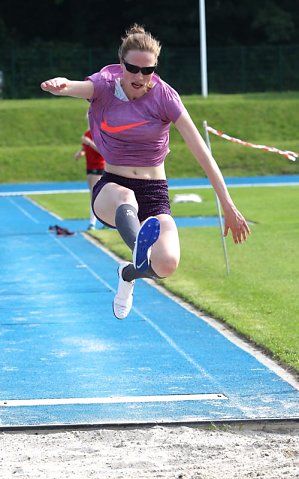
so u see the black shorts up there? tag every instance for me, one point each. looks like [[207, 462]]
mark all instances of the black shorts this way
[[151, 195]]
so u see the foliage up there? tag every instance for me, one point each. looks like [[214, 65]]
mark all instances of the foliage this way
[[93, 23], [276, 23]]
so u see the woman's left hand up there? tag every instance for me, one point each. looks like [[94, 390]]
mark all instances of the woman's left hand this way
[[234, 221]]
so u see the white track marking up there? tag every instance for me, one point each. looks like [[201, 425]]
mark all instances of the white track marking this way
[[37, 205], [234, 402], [42, 192], [32, 218], [83, 264], [112, 400], [171, 187]]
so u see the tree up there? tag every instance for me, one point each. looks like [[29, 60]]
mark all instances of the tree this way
[[98, 23], [277, 24]]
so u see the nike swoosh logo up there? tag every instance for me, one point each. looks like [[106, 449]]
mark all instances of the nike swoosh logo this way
[[116, 129], [138, 266]]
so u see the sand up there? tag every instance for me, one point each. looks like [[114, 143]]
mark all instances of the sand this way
[[168, 452]]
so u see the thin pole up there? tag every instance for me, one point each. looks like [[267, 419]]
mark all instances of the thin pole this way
[[203, 48], [218, 207]]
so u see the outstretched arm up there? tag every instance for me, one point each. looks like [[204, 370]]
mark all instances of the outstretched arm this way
[[87, 141], [64, 87], [79, 154], [232, 217]]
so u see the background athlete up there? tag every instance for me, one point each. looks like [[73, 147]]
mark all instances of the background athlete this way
[[94, 167], [131, 110]]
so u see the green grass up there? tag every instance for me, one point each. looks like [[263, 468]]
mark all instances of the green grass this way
[[38, 138], [65, 205], [259, 298]]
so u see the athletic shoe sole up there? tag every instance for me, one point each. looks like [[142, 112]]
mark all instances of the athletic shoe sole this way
[[148, 234]]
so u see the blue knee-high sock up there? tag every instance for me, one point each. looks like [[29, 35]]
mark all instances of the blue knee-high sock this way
[[127, 224]]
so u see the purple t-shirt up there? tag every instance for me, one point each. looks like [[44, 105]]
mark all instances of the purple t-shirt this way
[[136, 132]]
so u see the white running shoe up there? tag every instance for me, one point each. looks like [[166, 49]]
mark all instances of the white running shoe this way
[[123, 299], [147, 235]]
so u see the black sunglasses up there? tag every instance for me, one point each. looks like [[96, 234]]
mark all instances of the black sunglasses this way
[[135, 69]]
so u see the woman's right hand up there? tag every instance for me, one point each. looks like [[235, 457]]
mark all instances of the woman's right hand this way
[[64, 87], [56, 86]]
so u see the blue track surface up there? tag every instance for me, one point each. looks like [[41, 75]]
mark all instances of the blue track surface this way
[[68, 361]]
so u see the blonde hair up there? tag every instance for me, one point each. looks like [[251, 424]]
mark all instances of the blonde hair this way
[[137, 38]]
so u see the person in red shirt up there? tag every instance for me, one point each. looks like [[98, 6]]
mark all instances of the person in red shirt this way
[[94, 167]]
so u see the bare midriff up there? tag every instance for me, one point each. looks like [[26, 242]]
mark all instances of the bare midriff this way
[[138, 172]]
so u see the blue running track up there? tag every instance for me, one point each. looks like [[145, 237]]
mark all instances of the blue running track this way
[[65, 360]]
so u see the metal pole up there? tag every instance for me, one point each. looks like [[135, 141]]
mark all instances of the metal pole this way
[[218, 207], [203, 48]]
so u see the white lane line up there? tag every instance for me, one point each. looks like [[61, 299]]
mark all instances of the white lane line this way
[[173, 344], [83, 264], [42, 192], [235, 185], [32, 218], [112, 400], [235, 403], [171, 187], [232, 337], [151, 323], [40, 207]]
